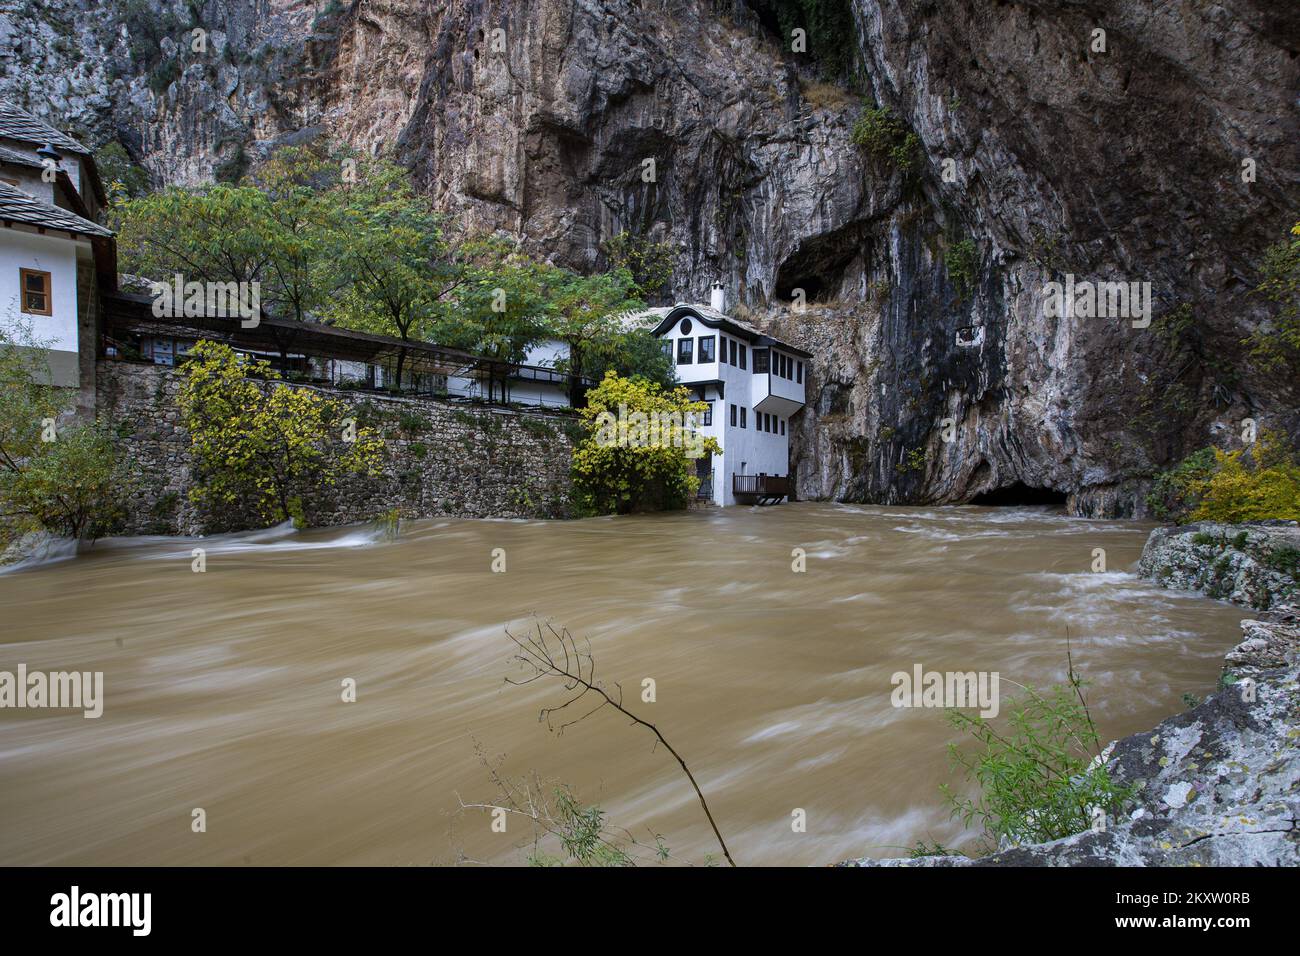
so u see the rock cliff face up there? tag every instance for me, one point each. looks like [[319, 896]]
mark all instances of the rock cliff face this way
[[565, 122]]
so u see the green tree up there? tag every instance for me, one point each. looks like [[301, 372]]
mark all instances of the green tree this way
[[503, 304], [396, 271], [640, 449], [213, 234], [262, 445], [55, 472], [301, 186], [632, 353], [587, 314]]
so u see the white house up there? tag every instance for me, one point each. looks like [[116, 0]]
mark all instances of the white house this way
[[533, 382], [53, 255], [752, 383]]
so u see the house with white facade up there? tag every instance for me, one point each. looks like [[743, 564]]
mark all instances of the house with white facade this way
[[753, 383], [53, 254]]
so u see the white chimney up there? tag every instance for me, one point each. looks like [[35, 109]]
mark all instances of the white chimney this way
[[718, 297]]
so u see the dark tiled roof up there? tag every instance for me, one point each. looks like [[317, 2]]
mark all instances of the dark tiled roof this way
[[16, 158], [18, 206], [713, 318], [19, 124]]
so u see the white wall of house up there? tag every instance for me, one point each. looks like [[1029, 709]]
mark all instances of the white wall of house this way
[[57, 255], [547, 353], [749, 449]]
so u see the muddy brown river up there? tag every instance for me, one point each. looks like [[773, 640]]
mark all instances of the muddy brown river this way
[[223, 689]]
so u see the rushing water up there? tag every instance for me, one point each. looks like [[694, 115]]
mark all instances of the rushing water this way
[[223, 689]]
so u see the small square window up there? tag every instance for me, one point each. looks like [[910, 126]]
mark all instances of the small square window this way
[[685, 351], [36, 297], [707, 353]]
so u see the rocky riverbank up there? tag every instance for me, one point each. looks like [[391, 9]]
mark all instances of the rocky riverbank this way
[[1218, 785], [1255, 565]]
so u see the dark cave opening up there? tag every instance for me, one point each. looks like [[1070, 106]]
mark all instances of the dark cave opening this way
[[818, 265], [1010, 496]]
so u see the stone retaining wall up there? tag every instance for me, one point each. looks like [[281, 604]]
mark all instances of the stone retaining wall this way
[[443, 458]]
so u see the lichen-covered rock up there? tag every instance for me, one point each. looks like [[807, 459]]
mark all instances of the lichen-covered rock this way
[[1218, 785], [1255, 565]]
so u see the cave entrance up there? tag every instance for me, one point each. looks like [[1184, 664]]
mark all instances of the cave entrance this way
[[1018, 494]]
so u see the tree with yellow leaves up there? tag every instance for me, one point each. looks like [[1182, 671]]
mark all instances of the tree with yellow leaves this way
[[261, 446], [640, 449]]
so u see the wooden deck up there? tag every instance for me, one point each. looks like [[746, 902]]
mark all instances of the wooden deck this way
[[760, 489]]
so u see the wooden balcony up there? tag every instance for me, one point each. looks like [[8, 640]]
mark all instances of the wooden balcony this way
[[760, 489]]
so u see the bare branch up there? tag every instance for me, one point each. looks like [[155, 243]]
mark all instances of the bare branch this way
[[577, 671]]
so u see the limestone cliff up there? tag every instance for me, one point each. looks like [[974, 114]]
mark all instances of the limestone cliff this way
[[539, 118]]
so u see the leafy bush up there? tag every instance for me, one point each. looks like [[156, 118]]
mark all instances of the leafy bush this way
[[1260, 484], [1038, 774], [71, 486], [885, 136], [961, 259], [268, 447], [618, 469], [1176, 492], [55, 473]]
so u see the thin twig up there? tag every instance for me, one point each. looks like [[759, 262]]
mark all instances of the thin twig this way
[[578, 672]]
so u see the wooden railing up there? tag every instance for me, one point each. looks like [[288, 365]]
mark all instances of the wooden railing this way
[[763, 485]]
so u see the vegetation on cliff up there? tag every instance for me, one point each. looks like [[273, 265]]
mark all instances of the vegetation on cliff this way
[[1276, 347], [1258, 483], [885, 136]]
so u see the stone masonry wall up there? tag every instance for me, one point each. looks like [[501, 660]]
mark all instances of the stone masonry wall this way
[[442, 458]]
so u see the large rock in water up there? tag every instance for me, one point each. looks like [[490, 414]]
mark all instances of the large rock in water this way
[[1047, 154], [1218, 785], [1255, 565]]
